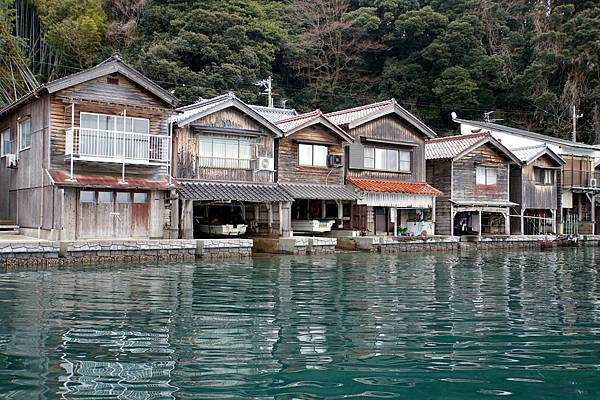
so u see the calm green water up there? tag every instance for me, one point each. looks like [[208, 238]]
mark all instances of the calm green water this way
[[521, 325]]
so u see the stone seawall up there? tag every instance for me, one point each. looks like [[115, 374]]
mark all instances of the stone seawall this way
[[223, 248]]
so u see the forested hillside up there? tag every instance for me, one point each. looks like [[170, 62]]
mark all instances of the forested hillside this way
[[529, 60]]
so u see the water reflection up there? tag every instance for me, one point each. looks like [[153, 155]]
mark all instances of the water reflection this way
[[443, 325]]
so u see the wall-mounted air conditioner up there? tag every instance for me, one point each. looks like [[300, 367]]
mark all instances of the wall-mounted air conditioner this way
[[593, 182], [266, 164], [334, 160], [11, 161]]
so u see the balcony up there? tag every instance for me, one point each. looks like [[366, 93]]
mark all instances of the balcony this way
[[573, 178], [118, 147]]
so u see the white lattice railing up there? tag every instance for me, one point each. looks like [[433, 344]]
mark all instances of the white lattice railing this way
[[115, 146]]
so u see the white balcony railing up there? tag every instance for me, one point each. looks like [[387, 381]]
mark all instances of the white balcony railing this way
[[114, 146]]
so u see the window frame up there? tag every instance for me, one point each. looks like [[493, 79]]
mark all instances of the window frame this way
[[547, 173], [5, 133], [372, 163], [20, 131], [312, 155], [486, 170], [226, 141], [116, 118]]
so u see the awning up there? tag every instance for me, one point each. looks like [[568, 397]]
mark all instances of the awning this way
[[377, 185], [319, 192], [483, 203], [245, 192], [61, 178]]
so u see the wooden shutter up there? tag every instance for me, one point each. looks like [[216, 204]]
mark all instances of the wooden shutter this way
[[356, 155]]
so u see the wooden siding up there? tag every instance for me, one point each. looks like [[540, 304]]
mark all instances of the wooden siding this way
[[464, 186], [186, 162], [390, 128], [529, 194], [290, 171], [21, 194], [439, 175]]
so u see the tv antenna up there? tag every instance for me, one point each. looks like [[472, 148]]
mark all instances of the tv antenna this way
[[268, 85]]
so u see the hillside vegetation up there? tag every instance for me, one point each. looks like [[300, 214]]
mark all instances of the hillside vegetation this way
[[529, 60]]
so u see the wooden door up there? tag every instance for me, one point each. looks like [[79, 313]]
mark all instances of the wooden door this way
[[359, 217], [123, 214], [86, 214], [381, 219], [140, 216], [105, 214]]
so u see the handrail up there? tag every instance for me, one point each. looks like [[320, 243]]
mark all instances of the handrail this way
[[117, 146], [580, 178]]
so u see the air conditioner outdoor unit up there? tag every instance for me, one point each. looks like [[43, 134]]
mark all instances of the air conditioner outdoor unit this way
[[593, 182], [334, 160], [11, 161], [266, 164]]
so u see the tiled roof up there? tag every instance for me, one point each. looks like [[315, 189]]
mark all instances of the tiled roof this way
[[291, 123], [452, 146], [344, 117], [61, 178], [199, 106], [532, 153], [274, 114], [375, 185], [319, 192], [247, 192]]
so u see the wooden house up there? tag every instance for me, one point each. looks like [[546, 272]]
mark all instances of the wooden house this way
[[473, 173], [534, 187], [386, 166], [225, 163], [88, 156], [311, 160], [578, 186]]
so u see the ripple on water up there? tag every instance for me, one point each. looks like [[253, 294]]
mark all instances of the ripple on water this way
[[520, 324]]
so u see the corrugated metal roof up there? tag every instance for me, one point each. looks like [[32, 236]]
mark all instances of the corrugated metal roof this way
[[246, 192], [274, 114], [200, 106], [532, 153], [344, 117], [375, 185], [319, 192], [452, 146], [61, 178]]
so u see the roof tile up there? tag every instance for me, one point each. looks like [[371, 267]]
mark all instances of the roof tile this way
[[375, 185], [451, 146], [247, 192]]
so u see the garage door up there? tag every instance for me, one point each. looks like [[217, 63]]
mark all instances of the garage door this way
[[113, 214]]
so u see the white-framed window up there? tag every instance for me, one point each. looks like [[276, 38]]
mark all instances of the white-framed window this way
[[105, 122], [24, 134], [312, 155], [544, 176], [486, 175], [5, 143], [387, 159], [225, 153]]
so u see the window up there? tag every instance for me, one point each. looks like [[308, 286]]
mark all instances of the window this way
[[312, 155], [87, 196], [114, 123], [544, 176], [225, 153], [123, 198], [5, 144], [486, 175], [105, 197], [387, 159], [25, 134], [140, 198]]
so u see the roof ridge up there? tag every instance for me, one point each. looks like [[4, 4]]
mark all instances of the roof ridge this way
[[315, 113], [357, 108], [205, 102], [458, 137], [539, 146]]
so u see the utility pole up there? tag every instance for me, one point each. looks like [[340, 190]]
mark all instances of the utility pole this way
[[575, 118], [268, 85]]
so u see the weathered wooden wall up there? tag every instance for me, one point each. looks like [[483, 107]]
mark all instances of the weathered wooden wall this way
[[538, 196], [21, 189], [464, 186], [290, 171], [439, 175], [389, 128], [187, 165]]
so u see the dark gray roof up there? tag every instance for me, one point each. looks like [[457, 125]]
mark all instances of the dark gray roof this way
[[319, 192], [247, 192]]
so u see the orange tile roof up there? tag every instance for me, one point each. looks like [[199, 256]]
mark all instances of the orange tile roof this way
[[376, 185]]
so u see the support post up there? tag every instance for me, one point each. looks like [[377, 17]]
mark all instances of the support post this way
[[394, 217], [323, 209], [174, 215], [285, 219], [270, 220], [522, 221], [280, 210], [507, 223], [479, 230], [593, 199], [71, 176], [123, 181], [187, 220], [256, 217], [340, 213]]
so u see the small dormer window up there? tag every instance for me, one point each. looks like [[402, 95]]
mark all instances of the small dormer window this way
[[112, 80]]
